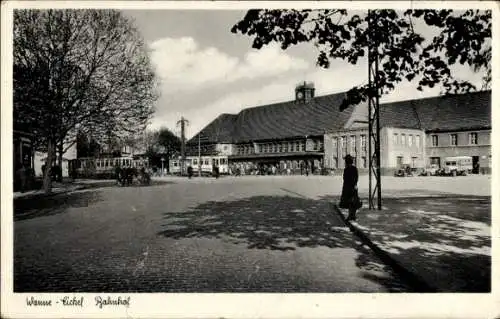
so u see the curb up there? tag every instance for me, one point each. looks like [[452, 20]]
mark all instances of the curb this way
[[43, 195], [412, 278]]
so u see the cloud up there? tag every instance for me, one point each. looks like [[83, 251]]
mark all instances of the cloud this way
[[232, 102], [338, 78], [182, 64]]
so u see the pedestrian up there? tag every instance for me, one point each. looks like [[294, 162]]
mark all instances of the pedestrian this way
[[349, 198], [118, 175], [190, 171], [216, 171], [22, 178]]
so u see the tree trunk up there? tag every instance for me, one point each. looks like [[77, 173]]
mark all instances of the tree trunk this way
[[47, 181], [60, 154]]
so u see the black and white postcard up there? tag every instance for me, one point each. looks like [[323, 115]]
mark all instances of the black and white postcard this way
[[244, 159]]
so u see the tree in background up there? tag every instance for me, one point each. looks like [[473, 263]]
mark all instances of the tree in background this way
[[79, 68], [87, 146], [161, 143], [462, 37]]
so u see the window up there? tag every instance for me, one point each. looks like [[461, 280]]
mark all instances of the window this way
[[285, 147], [434, 140], [195, 161], [320, 145], [343, 145], [403, 139], [315, 145], [399, 161], [224, 147], [353, 145], [453, 139], [410, 140], [473, 138], [280, 148], [335, 144], [302, 146], [297, 146], [363, 143], [260, 148], [417, 141], [363, 162], [414, 161], [395, 139], [206, 161]]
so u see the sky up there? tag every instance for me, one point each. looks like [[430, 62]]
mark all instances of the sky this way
[[205, 70]]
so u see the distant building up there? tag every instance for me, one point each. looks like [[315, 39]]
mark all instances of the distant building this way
[[312, 133], [22, 157], [40, 158]]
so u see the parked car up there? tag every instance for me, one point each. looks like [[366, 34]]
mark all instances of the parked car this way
[[404, 171], [432, 170], [458, 165]]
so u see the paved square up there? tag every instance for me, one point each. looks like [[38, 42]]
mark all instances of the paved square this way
[[259, 234]]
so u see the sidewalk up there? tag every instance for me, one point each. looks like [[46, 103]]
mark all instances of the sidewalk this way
[[57, 188], [442, 242]]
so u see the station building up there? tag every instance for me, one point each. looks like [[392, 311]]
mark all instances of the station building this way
[[311, 131]]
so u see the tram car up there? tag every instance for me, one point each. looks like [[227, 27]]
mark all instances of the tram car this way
[[207, 165], [102, 168]]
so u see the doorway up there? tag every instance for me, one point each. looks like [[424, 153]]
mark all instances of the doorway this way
[[475, 164]]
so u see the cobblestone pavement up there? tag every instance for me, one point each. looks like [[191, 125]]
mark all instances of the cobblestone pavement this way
[[260, 234]]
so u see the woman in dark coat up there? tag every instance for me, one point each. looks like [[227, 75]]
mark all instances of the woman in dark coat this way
[[349, 198]]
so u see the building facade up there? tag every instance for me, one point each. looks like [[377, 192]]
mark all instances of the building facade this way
[[476, 143], [311, 133], [398, 148]]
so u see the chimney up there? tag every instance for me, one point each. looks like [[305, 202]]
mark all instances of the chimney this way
[[304, 92]]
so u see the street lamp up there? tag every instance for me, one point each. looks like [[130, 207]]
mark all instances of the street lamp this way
[[162, 169]]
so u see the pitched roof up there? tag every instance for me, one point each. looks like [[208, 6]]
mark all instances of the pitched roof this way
[[219, 130], [440, 113], [281, 120], [293, 119]]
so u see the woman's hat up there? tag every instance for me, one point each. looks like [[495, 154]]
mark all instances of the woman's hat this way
[[348, 158]]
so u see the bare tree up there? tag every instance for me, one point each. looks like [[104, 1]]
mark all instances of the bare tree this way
[[85, 68]]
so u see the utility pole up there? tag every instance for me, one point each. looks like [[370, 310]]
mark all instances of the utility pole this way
[[375, 190], [183, 122]]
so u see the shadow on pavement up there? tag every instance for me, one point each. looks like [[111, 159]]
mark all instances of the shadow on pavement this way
[[29, 208], [447, 240], [113, 183], [275, 223], [278, 223], [262, 222]]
